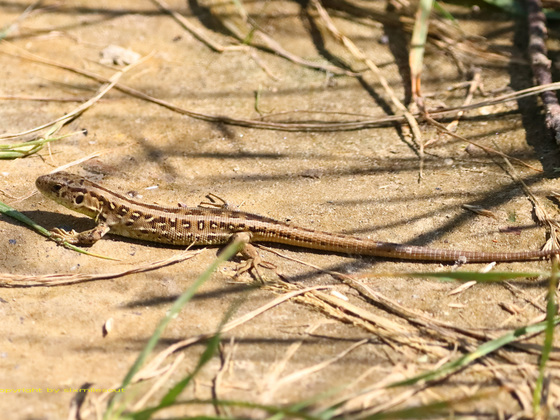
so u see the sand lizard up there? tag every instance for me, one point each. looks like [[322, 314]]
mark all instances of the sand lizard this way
[[120, 215]]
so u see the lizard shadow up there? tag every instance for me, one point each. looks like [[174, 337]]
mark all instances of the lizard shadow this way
[[50, 220]]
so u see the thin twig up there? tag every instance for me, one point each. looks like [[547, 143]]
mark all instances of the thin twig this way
[[356, 52], [541, 64], [49, 280]]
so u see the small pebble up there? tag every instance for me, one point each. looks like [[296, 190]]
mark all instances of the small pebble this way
[[108, 326]]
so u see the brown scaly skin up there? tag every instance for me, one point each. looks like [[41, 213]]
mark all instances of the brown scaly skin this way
[[120, 215]]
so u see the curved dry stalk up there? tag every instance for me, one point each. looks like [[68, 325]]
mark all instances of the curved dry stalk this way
[[64, 279], [300, 374], [326, 126], [83, 107], [359, 54], [443, 35]]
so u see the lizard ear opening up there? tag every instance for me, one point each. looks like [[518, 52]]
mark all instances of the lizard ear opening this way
[[79, 199]]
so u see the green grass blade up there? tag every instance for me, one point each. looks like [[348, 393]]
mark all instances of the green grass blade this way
[[21, 150], [551, 311], [481, 351], [443, 12], [206, 356], [276, 411], [493, 276], [171, 397], [227, 253]]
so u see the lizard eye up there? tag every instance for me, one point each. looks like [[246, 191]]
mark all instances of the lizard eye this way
[[57, 187]]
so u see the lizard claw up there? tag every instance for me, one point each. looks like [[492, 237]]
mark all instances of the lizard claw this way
[[61, 235]]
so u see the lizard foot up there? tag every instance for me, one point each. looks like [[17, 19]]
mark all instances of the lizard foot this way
[[253, 262], [61, 235], [87, 238]]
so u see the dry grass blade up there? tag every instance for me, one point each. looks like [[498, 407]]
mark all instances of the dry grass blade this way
[[299, 375], [77, 161], [480, 211], [162, 381], [201, 36], [5, 32], [490, 150], [40, 98], [462, 288], [445, 36], [152, 369], [417, 47], [159, 358], [553, 242], [83, 107], [288, 126], [473, 86], [445, 331], [356, 52], [297, 126], [235, 18], [15, 280], [389, 328], [278, 366], [406, 344]]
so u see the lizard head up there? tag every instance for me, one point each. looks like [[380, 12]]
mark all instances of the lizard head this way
[[71, 191]]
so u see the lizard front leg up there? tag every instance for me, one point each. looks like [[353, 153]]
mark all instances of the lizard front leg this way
[[87, 237]]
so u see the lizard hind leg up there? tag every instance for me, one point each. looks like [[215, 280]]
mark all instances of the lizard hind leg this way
[[252, 257]]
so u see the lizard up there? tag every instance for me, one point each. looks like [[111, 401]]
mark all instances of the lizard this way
[[120, 215]]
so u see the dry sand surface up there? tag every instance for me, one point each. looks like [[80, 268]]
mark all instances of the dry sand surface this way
[[348, 336]]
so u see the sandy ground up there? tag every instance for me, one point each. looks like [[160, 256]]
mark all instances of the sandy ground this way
[[363, 182]]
